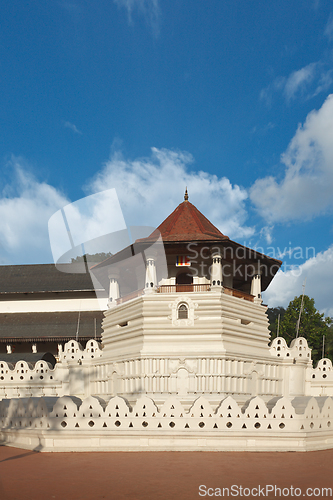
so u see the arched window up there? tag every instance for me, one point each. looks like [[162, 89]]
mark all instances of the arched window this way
[[182, 311]]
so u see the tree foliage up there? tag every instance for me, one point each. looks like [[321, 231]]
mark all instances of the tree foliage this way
[[96, 257], [273, 314], [313, 326]]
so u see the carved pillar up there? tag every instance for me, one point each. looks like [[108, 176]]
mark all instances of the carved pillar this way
[[256, 287], [216, 269], [113, 290], [151, 277]]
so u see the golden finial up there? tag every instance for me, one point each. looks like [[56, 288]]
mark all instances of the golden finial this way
[[186, 195]]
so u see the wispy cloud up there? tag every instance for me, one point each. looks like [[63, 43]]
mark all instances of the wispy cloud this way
[[150, 9], [329, 28], [71, 7], [307, 187], [304, 83], [299, 80], [72, 127], [324, 83], [277, 85], [266, 233]]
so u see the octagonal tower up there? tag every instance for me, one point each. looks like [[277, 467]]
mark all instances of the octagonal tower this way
[[186, 316]]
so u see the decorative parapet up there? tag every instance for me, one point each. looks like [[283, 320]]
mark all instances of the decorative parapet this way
[[24, 380], [298, 349], [62, 424], [73, 351], [321, 378], [323, 371]]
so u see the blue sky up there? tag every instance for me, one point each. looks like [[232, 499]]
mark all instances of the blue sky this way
[[231, 98]]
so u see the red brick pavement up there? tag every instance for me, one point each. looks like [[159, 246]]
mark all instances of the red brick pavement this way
[[28, 475]]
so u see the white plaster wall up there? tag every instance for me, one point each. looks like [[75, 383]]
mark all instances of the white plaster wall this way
[[218, 324], [29, 306]]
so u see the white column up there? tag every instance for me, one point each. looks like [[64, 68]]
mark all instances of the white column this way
[[216, 269], [256, 287], [151, 277], [59, 351], [113, 290]]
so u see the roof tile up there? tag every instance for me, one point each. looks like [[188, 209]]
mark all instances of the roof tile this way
[[187, 223]]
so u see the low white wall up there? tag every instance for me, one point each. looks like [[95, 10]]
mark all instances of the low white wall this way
[[69, 424]]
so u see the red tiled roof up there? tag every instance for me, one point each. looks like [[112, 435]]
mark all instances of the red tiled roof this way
[[186, 223]]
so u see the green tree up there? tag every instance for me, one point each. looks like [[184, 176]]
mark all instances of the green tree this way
[[96, 257], [313, 325], [273, 315]]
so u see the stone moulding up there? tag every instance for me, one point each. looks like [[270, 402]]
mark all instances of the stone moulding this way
[[71, 424]]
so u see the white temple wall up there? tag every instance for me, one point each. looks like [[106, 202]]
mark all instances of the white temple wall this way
[[190, 377], [217, 324]]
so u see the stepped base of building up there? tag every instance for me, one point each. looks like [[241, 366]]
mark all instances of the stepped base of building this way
[[46, 441]]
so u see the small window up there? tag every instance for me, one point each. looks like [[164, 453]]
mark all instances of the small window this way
[[182, 311]]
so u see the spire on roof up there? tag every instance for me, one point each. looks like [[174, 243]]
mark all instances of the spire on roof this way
[[186, 195]]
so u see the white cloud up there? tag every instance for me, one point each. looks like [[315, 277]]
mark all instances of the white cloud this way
[[318, 272], [149, 189], [324, 83], [266, 232], [277, 85], [299, 80], [87, 222], [307, 187], [150, 9], [306, 82], [24, 212], [72, 127]]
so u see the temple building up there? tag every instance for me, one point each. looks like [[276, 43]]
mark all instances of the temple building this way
[[185, 360]]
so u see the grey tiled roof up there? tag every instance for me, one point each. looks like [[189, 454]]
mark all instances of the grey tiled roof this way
[[49, 326], [42, 278]]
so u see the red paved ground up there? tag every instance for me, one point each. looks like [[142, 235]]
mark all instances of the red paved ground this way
[[26, 475]]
